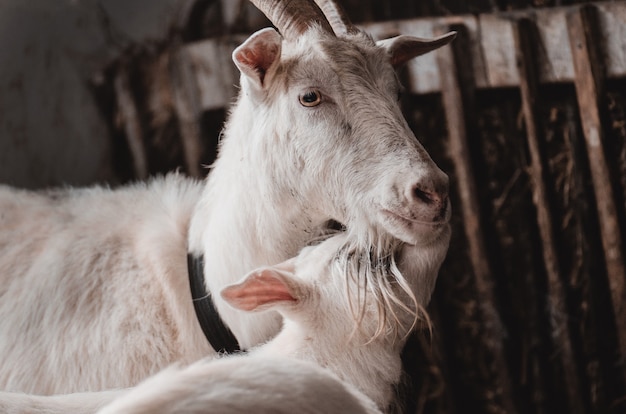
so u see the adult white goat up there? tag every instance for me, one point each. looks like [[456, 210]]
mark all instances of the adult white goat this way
[[94, 287]]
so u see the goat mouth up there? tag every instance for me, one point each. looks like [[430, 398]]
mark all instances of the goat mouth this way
[[410, 230], [396, 216]]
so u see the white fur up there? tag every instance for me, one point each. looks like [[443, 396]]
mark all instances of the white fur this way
[[284, 375], [93, 283], [76, 403], [243, 385]]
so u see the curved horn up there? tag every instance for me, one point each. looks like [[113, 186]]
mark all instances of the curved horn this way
[[292, 17], [337, 17]]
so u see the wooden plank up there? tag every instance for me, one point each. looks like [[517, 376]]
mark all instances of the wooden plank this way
[[528, 75], [498, 50], [129, 118], [187, 105], [589, 83], [554, 59], [493, 52], [215, 72], [612, 23], [453, 102], [459, 152]]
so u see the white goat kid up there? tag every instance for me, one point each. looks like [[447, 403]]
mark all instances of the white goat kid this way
[[75, 403], [94, 288], [332, 319], [231, 385]]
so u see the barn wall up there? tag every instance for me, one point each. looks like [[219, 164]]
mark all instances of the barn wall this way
[[52, 130]]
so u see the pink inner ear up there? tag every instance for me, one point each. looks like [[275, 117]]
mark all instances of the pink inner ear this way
[[403, 51], [261, 289], [259, 58]]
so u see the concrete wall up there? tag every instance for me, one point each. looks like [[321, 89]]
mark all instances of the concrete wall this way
[[51, 132]]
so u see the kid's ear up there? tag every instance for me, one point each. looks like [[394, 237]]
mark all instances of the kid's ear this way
[[257, 54], [403, 48], [264, 288]]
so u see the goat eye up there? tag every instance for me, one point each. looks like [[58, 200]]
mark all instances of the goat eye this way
[[311, 98]]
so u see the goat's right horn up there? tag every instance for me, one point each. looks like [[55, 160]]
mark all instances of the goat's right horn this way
[[293, 17], [337, 17]]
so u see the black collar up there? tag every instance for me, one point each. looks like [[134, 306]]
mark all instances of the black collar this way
[[218, 334]]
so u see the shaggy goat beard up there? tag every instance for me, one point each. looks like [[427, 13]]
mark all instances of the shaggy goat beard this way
[[374, 283]]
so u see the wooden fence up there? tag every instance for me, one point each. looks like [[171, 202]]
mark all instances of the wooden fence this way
[[527, 113]]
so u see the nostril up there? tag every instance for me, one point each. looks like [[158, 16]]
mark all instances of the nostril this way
[[427, 197], [428, 190]]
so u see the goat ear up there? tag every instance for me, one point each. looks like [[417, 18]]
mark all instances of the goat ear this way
[[264, 288], [257, 54], [403, 48]]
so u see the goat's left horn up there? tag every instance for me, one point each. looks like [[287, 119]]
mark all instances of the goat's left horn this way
[[293, 17], [337, 17]]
